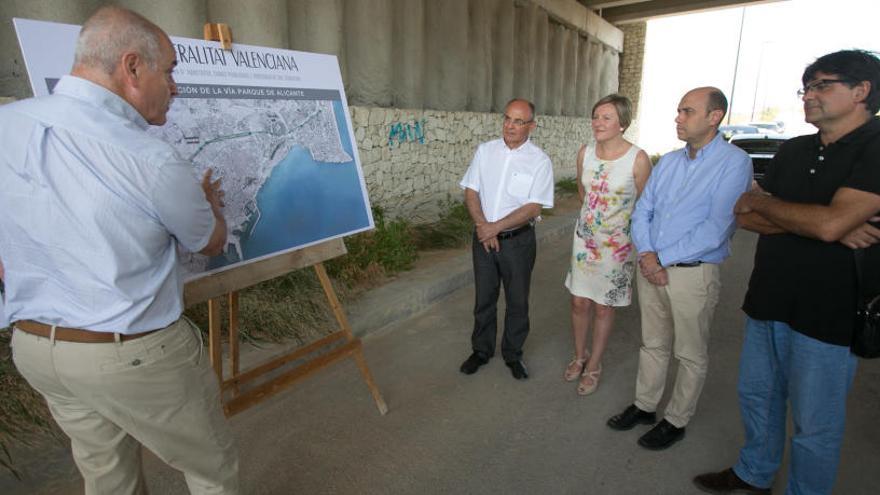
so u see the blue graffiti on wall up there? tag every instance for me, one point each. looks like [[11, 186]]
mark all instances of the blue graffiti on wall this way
[[401, 133]]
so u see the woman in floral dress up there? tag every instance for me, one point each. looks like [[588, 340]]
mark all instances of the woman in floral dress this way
[[611, 174]]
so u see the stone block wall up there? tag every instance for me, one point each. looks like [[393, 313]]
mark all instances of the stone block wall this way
[[413, 160], [630, 77]]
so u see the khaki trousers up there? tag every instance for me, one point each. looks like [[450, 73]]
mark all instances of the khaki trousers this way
[[110, 398], [675, 320]]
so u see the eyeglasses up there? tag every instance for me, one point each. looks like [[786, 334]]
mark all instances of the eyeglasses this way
[[517, 122], [820, 86]]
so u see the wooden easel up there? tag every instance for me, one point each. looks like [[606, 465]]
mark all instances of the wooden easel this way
[[225, 285], [215, 288]]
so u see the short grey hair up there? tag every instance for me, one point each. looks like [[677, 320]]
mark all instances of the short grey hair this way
[[527, 102], [110, 32]]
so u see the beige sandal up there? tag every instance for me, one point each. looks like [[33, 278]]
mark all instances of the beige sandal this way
[[575, 368], [587, 389]]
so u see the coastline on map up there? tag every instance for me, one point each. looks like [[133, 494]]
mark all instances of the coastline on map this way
[[326, 201]]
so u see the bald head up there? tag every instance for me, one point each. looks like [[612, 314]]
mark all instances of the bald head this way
[[110, 33], [700, 112], [714, 99]]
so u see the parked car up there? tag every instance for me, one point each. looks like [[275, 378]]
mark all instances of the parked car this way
[[728, 131], [761, 149], [777, 126]]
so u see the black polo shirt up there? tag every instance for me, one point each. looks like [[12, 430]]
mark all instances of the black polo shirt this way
[[807, 283]]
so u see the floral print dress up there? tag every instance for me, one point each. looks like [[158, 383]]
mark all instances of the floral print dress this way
[[602, 255]]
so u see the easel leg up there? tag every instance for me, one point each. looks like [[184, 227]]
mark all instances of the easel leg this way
[[234, 361], [368, 378], [215, 327], [346, 329]]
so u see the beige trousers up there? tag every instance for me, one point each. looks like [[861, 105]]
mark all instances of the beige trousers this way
[[157, 391], [675, 320]]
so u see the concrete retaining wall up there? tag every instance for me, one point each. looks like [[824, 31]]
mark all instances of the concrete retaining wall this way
[[451, 55]]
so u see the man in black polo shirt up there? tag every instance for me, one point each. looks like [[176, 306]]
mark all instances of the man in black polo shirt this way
[[815, 205]]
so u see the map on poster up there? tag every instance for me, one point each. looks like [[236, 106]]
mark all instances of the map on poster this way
[[272, 124]]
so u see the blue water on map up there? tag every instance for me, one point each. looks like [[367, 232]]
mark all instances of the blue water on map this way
[[303, 201]]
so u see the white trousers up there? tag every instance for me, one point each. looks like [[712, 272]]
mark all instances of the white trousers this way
[[158, 391], [675, 321]]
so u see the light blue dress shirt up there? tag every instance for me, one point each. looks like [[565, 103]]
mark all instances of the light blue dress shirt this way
[[93, 210], [685, 213]]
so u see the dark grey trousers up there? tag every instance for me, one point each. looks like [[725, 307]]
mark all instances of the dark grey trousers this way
[[512, 266]]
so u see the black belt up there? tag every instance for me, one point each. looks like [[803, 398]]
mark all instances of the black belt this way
[[688, 265], [508, 234]]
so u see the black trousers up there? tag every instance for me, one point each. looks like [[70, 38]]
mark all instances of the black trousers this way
[[512, 266]]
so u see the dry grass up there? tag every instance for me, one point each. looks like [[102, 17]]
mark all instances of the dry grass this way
[[23, 412]]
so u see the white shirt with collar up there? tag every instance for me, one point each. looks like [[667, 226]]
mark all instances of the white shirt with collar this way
[[507, 179], [93, 210]]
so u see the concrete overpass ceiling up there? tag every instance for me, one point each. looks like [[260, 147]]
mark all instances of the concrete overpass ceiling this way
[[625, 11]]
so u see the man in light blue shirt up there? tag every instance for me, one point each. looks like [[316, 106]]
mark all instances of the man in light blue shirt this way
[[94, 209], [681, 227]]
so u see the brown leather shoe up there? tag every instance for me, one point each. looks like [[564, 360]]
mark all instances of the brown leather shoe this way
[[726, 482]]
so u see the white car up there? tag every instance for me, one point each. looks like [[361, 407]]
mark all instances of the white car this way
[[777, 127]]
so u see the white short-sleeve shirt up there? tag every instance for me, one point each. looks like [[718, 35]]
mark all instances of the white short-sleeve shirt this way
[[507, 179]]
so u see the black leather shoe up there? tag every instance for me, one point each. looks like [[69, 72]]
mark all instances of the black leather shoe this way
[[472, 364], [630, 417], [726, 482], [517, 369], [661, 436]]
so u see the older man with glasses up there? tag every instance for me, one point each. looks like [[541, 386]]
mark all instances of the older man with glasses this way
[[508, 182], [813, 208]]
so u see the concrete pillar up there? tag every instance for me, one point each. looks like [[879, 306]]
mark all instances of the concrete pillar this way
[[629, 79], [503, 59], [595, 60], [408, 54], [570, 68], [581, 97], [614, 71], [447, 45], [184, 18], [555, 69], [368, 29], [261, 22], [480, 56], [317, 26], [542, 35], [525, 56], [608, 72], [13, 75]]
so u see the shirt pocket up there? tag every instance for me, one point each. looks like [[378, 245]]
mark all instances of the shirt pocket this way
[[519, 185]]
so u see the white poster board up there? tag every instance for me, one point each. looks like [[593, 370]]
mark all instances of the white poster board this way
[[273, 124]]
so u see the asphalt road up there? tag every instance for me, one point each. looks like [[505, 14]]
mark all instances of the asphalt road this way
[[487, 433]]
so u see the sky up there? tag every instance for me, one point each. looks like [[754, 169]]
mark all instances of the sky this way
[[779, 40]]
